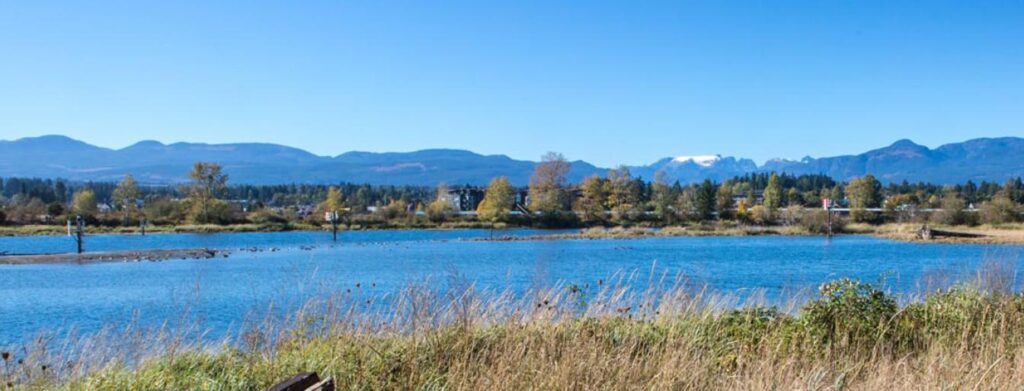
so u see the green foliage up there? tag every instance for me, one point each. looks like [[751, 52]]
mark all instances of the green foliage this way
[[1000, 210], [953, 210], [498, 201], [207, 185], [815, 221], [84, 203], [773, 194], [849, 313], [593, 200], [126, 193], [623, 195], [268, 217], [864, 192], [333, 202], [724, 202], [55, 209]]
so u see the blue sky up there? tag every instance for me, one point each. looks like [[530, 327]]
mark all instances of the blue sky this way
[[606, 82]]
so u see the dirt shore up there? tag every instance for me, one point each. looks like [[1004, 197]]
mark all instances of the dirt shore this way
[[114, 256]]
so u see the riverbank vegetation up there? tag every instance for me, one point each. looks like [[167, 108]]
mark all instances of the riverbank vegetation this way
[[760, 202], [604, 335]]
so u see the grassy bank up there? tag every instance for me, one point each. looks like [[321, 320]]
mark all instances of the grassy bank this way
[[981, 234], [851, 336], [51, 230], [672, 231]]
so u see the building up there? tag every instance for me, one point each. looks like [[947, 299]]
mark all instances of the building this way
[[466, 198]]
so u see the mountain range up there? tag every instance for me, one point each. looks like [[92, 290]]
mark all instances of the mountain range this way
[[151, 162]]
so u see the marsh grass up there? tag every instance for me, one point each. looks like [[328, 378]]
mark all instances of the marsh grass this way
[[671, 334]]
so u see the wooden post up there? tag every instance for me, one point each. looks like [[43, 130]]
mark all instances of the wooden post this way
[[80, 233], [332, 216], [827, 204]]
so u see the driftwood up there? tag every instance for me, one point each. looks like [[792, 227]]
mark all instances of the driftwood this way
[[927, 233], [306, 381]]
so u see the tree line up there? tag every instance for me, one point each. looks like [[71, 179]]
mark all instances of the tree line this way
[[617, 198]]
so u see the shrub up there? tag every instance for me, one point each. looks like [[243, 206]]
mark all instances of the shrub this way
[[267, 217], [761, 215], [999, 211], [849, 313], [556, 220], [816, 222]]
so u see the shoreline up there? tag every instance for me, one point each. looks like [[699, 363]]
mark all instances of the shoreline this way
[[60, 230], [906, 233]]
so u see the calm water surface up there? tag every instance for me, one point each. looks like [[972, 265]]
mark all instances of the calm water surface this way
[[306, 265]]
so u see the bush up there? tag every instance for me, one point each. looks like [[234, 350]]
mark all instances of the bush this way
[[849, 313], [761, 215], [816, 222], [1000, 210], [556, 220], [267, 217]]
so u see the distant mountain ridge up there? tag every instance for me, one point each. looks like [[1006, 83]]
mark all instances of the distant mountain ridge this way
[[152, 162]]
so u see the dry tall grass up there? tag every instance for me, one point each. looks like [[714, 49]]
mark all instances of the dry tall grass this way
[[852, 336]]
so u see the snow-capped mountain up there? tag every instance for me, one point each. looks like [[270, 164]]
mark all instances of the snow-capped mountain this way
[[687, 169], [985, 159], [700, 160]]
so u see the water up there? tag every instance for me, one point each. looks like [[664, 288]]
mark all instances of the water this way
[[224, 291]]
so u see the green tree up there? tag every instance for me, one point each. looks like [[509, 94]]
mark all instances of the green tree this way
[[55, 209], [724, 202], [1000, 209], [84, 203], [793, 197], [334, 202], [704, 200], [125, 197], [593, 200], [864, 192], [498, 201], [548, 184], [773, 194], [207, 184], [60, 192], [624, 194], [662, 198], [951, 209]]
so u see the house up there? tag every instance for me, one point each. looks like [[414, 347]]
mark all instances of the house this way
[[465, 199]]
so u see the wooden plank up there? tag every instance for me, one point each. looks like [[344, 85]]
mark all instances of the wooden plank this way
[[325, 385], [300, 382]]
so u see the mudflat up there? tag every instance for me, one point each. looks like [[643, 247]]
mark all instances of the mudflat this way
[[114, 256]]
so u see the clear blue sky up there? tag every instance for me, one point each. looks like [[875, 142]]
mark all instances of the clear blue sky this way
[[615, 82]]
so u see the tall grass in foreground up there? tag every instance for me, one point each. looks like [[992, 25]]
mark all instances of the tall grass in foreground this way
[[850, 336]]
